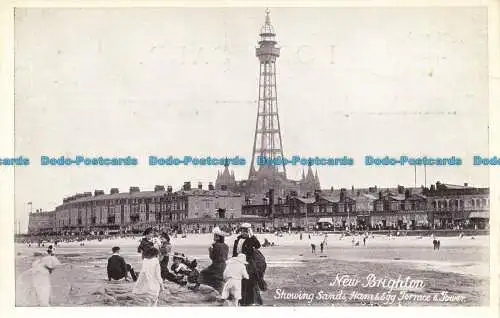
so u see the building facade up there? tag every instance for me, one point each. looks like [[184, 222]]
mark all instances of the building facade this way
[[41, 222], [443, 206], [135, 210]]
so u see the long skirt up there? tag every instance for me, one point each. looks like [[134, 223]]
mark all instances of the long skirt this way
[[250, 293], [33, 288], [213, 276]]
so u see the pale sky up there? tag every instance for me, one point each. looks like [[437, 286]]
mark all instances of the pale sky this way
[[178, 81]]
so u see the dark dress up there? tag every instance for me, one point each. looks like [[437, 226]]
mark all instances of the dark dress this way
[[250, 293], [213, 274], [144, 245]]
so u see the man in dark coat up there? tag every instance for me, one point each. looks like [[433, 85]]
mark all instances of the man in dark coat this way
[[117, 268], [248, 244]]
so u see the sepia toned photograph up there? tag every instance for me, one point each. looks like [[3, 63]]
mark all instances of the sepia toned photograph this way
[[254, 156]]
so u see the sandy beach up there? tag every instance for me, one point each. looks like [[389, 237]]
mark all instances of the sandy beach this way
[[456, 275]]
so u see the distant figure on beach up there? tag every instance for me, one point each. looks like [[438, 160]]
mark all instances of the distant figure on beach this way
[[233, 274], [149, 282], [218, 253], [364, 240], [436, 243], [34, 287], [117, 268], [321, 246], [301, 236], [313, 248]]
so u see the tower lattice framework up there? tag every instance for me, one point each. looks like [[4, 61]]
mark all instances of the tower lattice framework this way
[[267, 141]]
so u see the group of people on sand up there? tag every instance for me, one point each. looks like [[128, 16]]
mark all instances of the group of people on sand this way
[[238, 279]]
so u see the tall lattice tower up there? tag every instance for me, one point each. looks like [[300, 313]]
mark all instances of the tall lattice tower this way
[[267, 141]]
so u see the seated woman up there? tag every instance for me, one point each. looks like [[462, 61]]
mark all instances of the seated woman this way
[[218, 252], [184, 271]]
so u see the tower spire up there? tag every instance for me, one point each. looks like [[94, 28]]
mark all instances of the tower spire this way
[[267, 140]]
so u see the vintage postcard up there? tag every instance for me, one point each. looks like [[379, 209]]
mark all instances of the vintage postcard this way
[[253, 156]]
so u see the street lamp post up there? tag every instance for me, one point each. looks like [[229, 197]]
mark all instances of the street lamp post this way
[[307, 221]]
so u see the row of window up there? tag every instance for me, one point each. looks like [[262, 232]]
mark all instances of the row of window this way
[[112, 202]]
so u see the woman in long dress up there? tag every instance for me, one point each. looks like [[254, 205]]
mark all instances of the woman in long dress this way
[[218, 252], [149, 284], [34, 287], [249, 245]]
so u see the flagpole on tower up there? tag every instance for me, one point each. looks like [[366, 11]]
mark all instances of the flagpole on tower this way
[[415, 176], [425, 175]]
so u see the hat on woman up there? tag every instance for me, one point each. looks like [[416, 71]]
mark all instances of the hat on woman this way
[[242, 258], [219, 232], [245, 226], [147, 231]]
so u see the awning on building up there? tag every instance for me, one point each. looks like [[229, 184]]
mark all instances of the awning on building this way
[[479, 215]]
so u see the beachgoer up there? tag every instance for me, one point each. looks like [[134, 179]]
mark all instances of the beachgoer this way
[[165, 250], [34, 287], [117, 268], [321, 246], [364, 240], [249, 245], [149, 282], [146, 241], [313, 248], [218, 253], [180, 269], [234, 272]]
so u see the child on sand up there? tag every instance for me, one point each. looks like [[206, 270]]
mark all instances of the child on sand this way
[[233, 274]]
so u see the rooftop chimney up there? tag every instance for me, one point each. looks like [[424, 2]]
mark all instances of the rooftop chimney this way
[[87, 194], [169, 189], [211, 186], [200, 185], [466, 184], [187, 186], [98, 193], [159, 188], [114, 191], [134, 189]]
